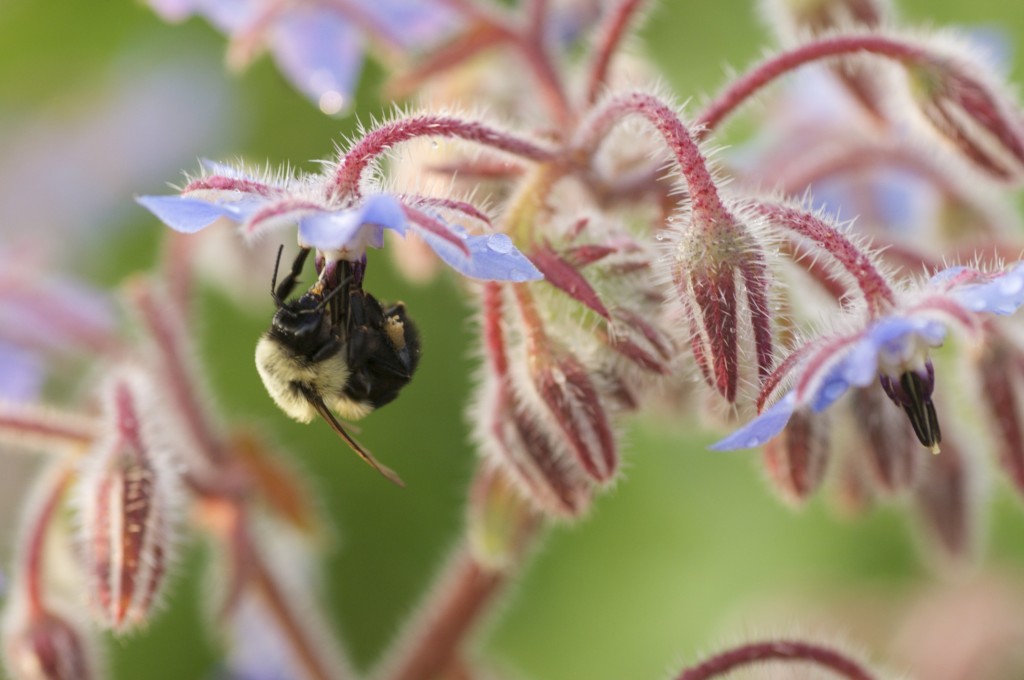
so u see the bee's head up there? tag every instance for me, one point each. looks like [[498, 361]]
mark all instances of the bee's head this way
[[300, 319]]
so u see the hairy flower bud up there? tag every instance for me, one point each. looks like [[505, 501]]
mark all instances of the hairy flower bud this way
[[1000, 388], [794, 20], [720, 276], [796, 461], [46, 646], [959, 94], [509, 433], [127, 496], [892, 452], [545, 475], [945, 501]]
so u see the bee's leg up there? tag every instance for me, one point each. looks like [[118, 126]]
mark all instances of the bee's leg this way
[[288, 283], [403, 336]]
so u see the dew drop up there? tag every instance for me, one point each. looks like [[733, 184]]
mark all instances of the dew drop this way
[[660, 236], [518, 275], [434, 144], [752, 442], [499, 243]]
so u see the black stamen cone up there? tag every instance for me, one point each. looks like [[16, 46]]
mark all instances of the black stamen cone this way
[[913, 392]]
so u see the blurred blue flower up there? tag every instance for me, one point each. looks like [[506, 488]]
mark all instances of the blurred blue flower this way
[[893, 349], [342, 229], [319, 46], [42, 317]]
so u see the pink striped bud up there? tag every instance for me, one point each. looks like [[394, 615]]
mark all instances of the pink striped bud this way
[[1000, 386], [796, 20], [796, 460], [127, 496], [893, 454], [966, 101], [564, 387], [509, 433], [563, 399], [543, 473], [48, 647], [720, 276], [945, 501]]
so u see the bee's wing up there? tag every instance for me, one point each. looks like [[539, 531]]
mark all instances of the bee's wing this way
[[321, 408]]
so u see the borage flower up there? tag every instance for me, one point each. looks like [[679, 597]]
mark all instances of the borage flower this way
[[893, 348], [341, 228], [318, 46]]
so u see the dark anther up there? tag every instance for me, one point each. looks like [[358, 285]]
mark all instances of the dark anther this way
[[913, 392]]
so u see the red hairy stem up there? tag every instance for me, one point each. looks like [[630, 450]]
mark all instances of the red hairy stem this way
[[536, 16], [35, 546], [782, 650], [458, 51], [853, 158], [873, 286], [742, 88], [276, 600], [494, 337], [179, 377], [434, 637], [354, 163], [705, 202], [610, 34], [44, 428], [177, 256]]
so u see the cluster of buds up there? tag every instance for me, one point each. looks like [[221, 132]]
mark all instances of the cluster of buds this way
[[600, 279]]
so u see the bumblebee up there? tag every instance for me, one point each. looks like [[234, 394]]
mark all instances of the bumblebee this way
[[335, 349]]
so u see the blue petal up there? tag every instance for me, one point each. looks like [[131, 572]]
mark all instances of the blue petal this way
[[1002, 295], [760, 429], [492, 257], [189, 215], [319, 52], [21, 373], [335, 230], [946, 275]]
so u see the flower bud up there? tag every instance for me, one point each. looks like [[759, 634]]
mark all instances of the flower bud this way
[[796, 460], [545, 475], [720, 276], [564, 387], [891, 450], [957, 92], [47, 647], [1000, 394], [794, 20], [127, 494], [511, 436], [945, 502]]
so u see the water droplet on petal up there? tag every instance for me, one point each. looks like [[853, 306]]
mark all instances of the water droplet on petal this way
[[434, 144], [499, 243], [518, 275], [975, 303], [660, 236], [752, 442]]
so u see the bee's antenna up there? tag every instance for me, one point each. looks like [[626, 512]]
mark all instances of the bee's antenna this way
[[281, 293], [273, 279]]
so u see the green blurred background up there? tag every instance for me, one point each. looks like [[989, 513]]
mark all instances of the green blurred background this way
[[689, 549]]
